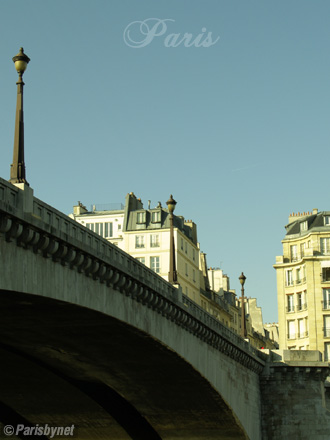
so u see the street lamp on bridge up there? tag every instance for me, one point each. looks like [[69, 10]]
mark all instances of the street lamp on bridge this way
[[242, 279], [172, 275], [17, 170]]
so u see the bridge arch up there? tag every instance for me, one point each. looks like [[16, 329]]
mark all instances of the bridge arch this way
[[50, 258], [109, 362]]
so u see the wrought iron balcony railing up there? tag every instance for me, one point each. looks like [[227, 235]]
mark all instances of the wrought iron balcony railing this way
[[326, 304], [301, 307]]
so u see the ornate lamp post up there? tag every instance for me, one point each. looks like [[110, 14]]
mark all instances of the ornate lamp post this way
[[172, 275], [17, 170], [242, 279]]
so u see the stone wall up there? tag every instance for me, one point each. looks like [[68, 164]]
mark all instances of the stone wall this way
[[295, 403]]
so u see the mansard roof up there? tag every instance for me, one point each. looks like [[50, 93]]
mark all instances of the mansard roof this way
[[134, 224], [315, 223]]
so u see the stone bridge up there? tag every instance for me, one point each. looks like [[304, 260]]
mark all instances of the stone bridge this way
[[90, 337]]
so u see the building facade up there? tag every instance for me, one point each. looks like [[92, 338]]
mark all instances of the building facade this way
[[145, 234], [257, 333], [303, 283]]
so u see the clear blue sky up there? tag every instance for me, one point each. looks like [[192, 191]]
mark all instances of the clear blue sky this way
[[238, 131]]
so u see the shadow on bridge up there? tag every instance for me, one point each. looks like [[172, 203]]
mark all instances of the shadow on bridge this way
[[63, 364]]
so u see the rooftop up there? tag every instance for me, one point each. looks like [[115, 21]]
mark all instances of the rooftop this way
[[301, 224]]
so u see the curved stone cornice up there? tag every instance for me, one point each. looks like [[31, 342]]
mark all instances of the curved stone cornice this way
[[148, 288]]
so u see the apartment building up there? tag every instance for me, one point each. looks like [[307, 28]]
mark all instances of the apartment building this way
[[145, 234], [303, 283]]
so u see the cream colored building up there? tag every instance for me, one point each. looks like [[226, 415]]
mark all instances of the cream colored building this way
[[220, 284], [303, 283], [145, 234], [257, 333]]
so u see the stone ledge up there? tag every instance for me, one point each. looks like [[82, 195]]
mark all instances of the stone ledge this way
[[295, 356], [274, 370]]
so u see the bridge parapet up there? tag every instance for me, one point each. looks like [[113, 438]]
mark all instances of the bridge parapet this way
[[51, 234]]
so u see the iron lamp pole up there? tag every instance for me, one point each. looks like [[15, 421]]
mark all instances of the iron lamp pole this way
[[172, 275], [242, 279], [17, 169]]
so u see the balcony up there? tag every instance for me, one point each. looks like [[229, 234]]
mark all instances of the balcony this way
[[287, 258], [326, 275], [301, 307], [326, 332], [326, 304], [301, 281], [295, 258]]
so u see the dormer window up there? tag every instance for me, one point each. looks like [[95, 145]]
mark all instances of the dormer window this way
[[303, 226], [327, 220], [141, 217], [155, 217]]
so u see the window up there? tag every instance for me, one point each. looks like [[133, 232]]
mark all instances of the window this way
[[326, 299], [327, 220], [108, 229], [298, 275], [193, 254], [288, 278], [154, 241], [155, 217], [290, 303], [141, 217], [326, 328], [325, 245], [90, 226], [155, 264], [303, 247], [299, 301], [186, 266], [186, 247], [103, 229], [327, 351], [141, 259], [301, 328], [303, 226], [182, 244], [294, 253], [325, 274], [291, 330], [194, 276], [99, 228], [139, 241]]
